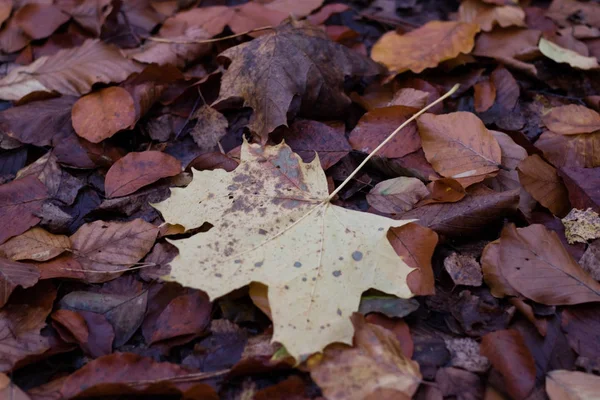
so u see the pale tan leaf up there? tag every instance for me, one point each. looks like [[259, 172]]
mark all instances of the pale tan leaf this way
[[35, 244], [459, 146], [274, 225], [572, 385], [69, 71], [488, 15], [572, 119], [397, 195], [562, 55]]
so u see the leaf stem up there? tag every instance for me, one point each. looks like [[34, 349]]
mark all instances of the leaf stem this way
[[390, 137], [166, 40]]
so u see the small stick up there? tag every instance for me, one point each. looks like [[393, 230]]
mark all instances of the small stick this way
[[165, 40], [390, 137]]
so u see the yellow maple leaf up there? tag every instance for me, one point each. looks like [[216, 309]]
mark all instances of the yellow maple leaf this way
[[273, 224]]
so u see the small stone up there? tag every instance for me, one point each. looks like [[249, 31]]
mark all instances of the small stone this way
[[581, 226], [463, 269], [464, 353]]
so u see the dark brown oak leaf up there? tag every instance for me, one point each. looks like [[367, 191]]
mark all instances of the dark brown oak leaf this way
[[294, 60]]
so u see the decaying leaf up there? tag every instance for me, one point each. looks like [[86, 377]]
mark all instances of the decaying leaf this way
[[581, 225], [292, 61], [459, 146], [19, 201], [273, 224], [562, 55], [375, 366], [328, 141], [210, 128], [70, 71], [397, 195], [414, 50], [463, 269], [572, 385]]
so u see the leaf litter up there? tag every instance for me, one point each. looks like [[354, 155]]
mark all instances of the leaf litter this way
[[111, 106]]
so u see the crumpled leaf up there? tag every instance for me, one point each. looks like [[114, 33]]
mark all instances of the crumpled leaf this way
[[572, 119], [273, 224], [69, 71], [562, 55], [572, 385], [295, 60], [581, 225], [459, 146], [374, 367], [414, 51]]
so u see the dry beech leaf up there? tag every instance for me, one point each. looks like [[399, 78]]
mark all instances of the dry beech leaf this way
[[508, 353], [584, 187], [459, 146], [542, 182], [534, 262], [561, 55], [572, 119], [375, 367], [91, 15], [444, 190], [19, 201], [8, 390], [68, 72], [273, 224], [488, 15], [510, 46], [570, 150], [409, 97], [396, 195], [327, 140], [102, 247], [414, 50], [484, 95], [376, 125], [512, 155], [490, 266], [292, 61], [137, 170], [13, 274], [38, 21], [572, 385], [35, 244]]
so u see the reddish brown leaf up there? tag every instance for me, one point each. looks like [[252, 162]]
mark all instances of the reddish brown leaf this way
[[19, 201], [509, 356], [9, 390], [89, 14], [485, 95], [582, 326], [570, 150], [102, 247], [211, 161], [124, 373], [397, 195], [507, 89], [488, 15], [459, 146], [39, 21], [444, 190], [490, 266], [416, 244], [584, 187], [398, 327], [13, 274], [293, 388], [20, 324], [510, 46], [572, 120], [512, 155], [542, 182], [409, 97], [307, 137], [376, 125], [534, 262], [35, 244], [90, 330], [137, 170], [477, 212]]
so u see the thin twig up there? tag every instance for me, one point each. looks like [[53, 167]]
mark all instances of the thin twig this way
[[174, 41], [390, 137]]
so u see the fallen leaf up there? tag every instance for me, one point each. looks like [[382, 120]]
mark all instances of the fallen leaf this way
[[375, 366], [484, 95], [590, 260], [329, 142], [91, 15], [463, 269], [492, 275], [542, 182], [572, 120], [534, 262], [124, 373], [38, 21], [581, 324], [409, 97], [584, 187], [455, 382], [89, 330], [35, 244], [507, 89], [465, 353], [562, 55], [511, 155], [570, 150], [137, 170], [581, 226], [103, 247], [572, 385], [509, 355], [13, 274], [459, 146], [488, 15], [68, 72], [376, 125], [443, 190], [397, 195], [562, 11], [413, 51], [269, 202], [389, 306], [510, 46], [21, 322], [19, 201], [477, 212], [210, 128], [269, 86]]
